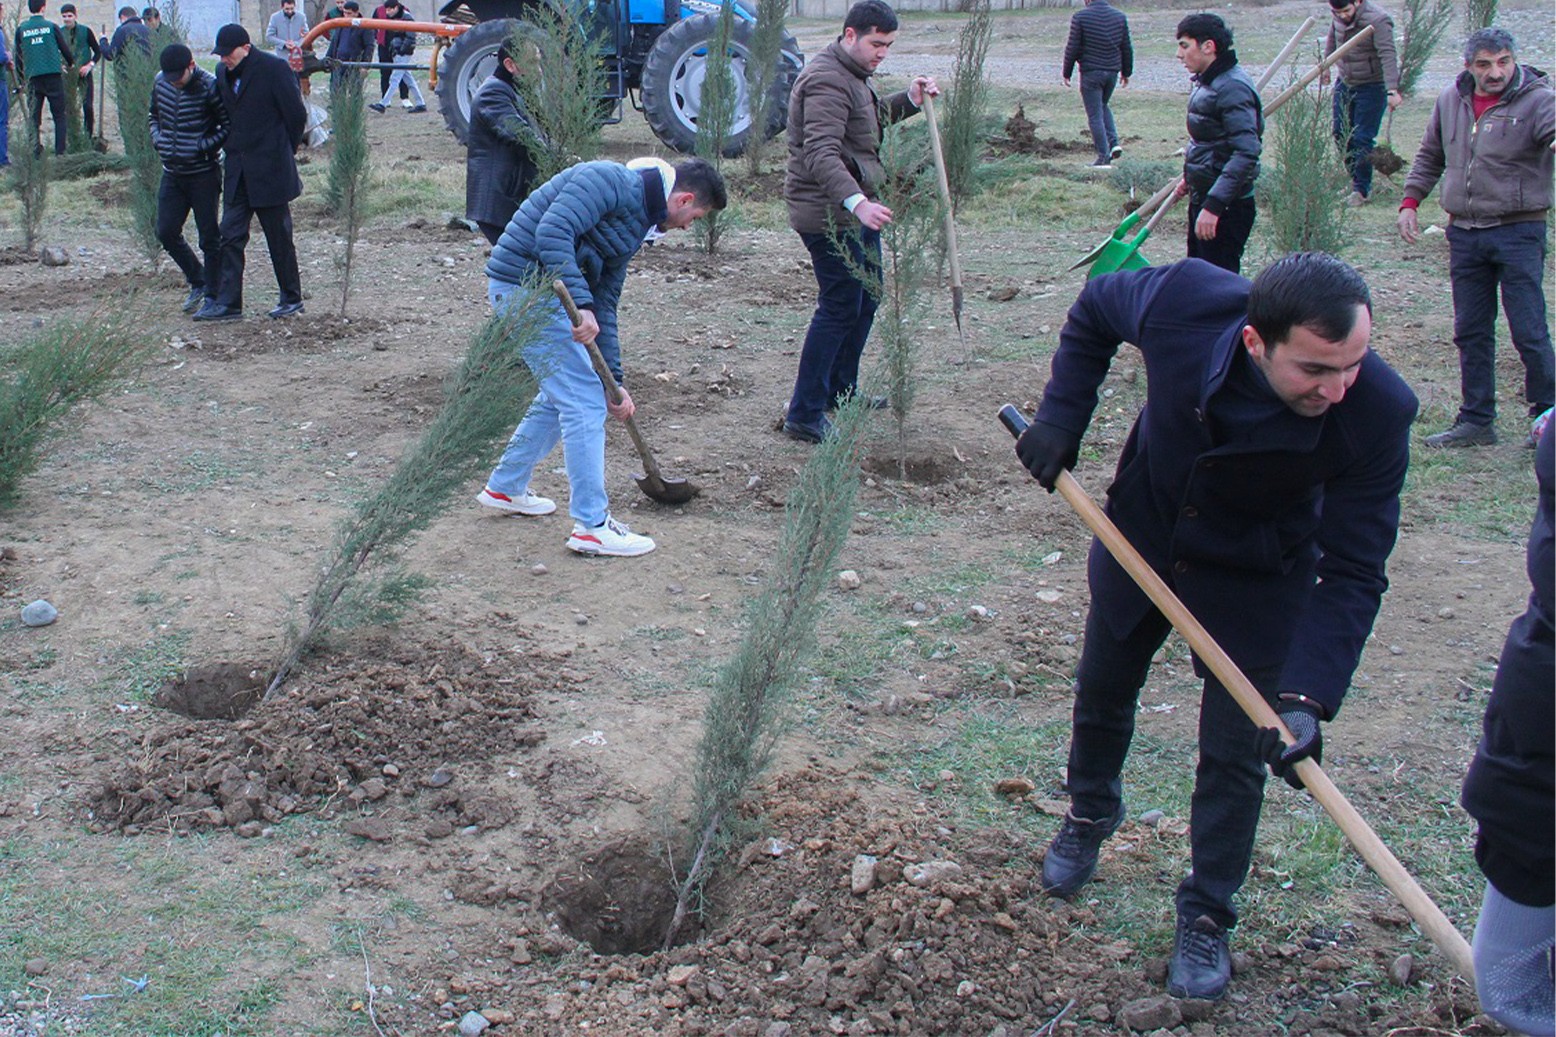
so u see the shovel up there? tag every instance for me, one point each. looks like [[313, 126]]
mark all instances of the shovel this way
[[1366, 842], [659, 488], [950, 215]]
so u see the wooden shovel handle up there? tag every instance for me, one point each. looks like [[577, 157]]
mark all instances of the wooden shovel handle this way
[[1313, 73], [945, 192], [1426, 913]]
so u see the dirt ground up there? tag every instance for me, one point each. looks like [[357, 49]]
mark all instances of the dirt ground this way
[[444, 815]]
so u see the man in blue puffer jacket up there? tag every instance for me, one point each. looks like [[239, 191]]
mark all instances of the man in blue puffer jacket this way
[[583, 226]]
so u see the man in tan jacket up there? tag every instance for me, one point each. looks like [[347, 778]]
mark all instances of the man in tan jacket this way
[[1490, 139], [833, 175], [1369, 86]]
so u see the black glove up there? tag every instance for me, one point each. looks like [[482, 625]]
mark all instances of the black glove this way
[[1047, 450], [1302, 718]]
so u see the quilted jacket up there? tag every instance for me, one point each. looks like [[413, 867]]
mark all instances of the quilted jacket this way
[[583, 226], [1226, 134], [188, 123]]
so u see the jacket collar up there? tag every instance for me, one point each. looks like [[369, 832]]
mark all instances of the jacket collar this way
[[835, 48], [1285, 430], [655, 206], [1524, 76], [1218, 66]]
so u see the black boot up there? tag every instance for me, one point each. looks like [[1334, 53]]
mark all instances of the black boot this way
[[1201, 960], [1071, 859]]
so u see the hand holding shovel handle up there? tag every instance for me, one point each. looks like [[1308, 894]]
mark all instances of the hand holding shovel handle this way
[[1366, 842]]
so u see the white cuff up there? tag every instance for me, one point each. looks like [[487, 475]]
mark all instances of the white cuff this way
[[853, 200]]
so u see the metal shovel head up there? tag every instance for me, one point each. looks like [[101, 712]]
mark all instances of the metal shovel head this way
[[667, 491], [1119, 255]]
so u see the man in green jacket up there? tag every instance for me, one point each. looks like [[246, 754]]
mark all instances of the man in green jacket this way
[[42, 55], [1489, 140], [83, 44], [830, 185]]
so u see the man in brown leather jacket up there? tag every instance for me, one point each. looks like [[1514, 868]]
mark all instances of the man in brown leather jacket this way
[[830, 185], [1489, 139]]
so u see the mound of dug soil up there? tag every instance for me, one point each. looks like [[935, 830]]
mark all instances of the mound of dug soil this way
[[389, 719]]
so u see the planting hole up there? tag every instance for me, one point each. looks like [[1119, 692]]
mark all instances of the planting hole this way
[[926, 467], [219, 691], [618, 899]]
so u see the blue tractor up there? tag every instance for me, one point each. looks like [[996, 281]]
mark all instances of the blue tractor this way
[[655, 54]]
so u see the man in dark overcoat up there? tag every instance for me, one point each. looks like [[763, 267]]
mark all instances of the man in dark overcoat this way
[[1261, 481], [268, 118], [500, 162]]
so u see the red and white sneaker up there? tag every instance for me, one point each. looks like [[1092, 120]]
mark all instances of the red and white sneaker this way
[[525, 503], [608, 538]]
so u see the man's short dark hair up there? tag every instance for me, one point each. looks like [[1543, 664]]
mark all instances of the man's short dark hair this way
[[1311, 290], [175, 58], [1489, 41], [704, 182], [34, 6], [127, 12], [151, 12], [870, 14], [1201, 27], [65, 9]]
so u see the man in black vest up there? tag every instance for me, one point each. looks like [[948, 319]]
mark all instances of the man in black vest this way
[[260, 94]]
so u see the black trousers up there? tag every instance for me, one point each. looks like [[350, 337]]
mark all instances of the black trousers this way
[[88, 113], [1225, 250], [179, 195], [49, 87], [276, 222], [385, 57], [1228, 781]]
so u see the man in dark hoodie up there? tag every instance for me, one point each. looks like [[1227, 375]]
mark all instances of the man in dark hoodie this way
[[1226, 135], [1489, 140], [830, 186], [188, 125], [131, 28], [260, 94], [499, 165]]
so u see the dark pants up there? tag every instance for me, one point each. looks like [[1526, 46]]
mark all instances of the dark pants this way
[[1096, 92], [5, 121], [491, 231], [179, 195], [88, 113], [845, 310], [384, 57], [49, 87], [1228, 782], [1479, 260], [1358, 112], [1225, 250], [276, 222]]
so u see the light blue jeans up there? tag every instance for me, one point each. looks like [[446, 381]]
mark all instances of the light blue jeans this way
[[402, 75], [569, 408]]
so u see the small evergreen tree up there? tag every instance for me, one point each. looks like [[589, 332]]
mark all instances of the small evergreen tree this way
[[1304, 184], [1421, 28], [350, 167], [75, 125], [135, 69], [30, 170], [716, 113], [561, 88], [1479, 14], [762, 70], [963, 133]]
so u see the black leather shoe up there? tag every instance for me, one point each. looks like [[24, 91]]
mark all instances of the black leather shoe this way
[[286, 309], [213, 311], [1201, 960], [1071, 859], [808, 433], [195, 299]]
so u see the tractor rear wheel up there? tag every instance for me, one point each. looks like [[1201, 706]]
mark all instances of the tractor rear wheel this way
[[467, 63]]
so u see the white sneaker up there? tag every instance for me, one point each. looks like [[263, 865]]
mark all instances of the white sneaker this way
[[405, 102], [525, 503], [608, 538]]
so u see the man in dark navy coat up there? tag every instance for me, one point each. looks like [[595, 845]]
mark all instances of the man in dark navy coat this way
[[1261, 481], [268, 117]]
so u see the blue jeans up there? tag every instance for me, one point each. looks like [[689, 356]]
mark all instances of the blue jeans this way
[[1511, 256], [569, 408], [845, 311], [1096, 92], [1359, 109], [1228, 782]]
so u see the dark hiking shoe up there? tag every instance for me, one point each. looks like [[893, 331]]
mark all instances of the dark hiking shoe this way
[[1464, 433], [807, 433], [214, 311], [1071, 859], [195, 299], [1201, 960]]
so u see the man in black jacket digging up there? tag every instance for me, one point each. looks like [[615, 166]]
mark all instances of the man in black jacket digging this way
[[188, 125], [260, 94]]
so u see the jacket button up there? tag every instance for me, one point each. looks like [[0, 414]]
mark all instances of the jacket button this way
[[1190, 512], [1180, 567]]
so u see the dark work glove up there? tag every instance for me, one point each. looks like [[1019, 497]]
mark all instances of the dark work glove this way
[[1303, 719], [1047, 450]]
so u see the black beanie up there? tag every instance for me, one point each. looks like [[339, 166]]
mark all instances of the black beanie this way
[[175, 58]]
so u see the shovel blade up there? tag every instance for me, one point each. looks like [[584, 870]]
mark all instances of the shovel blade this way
[[667, 491]]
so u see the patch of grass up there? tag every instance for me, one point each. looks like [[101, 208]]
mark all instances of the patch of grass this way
[[140, 671]]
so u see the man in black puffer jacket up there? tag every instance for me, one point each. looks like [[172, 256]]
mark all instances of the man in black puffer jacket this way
[[1226, 135], [188, 125]]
